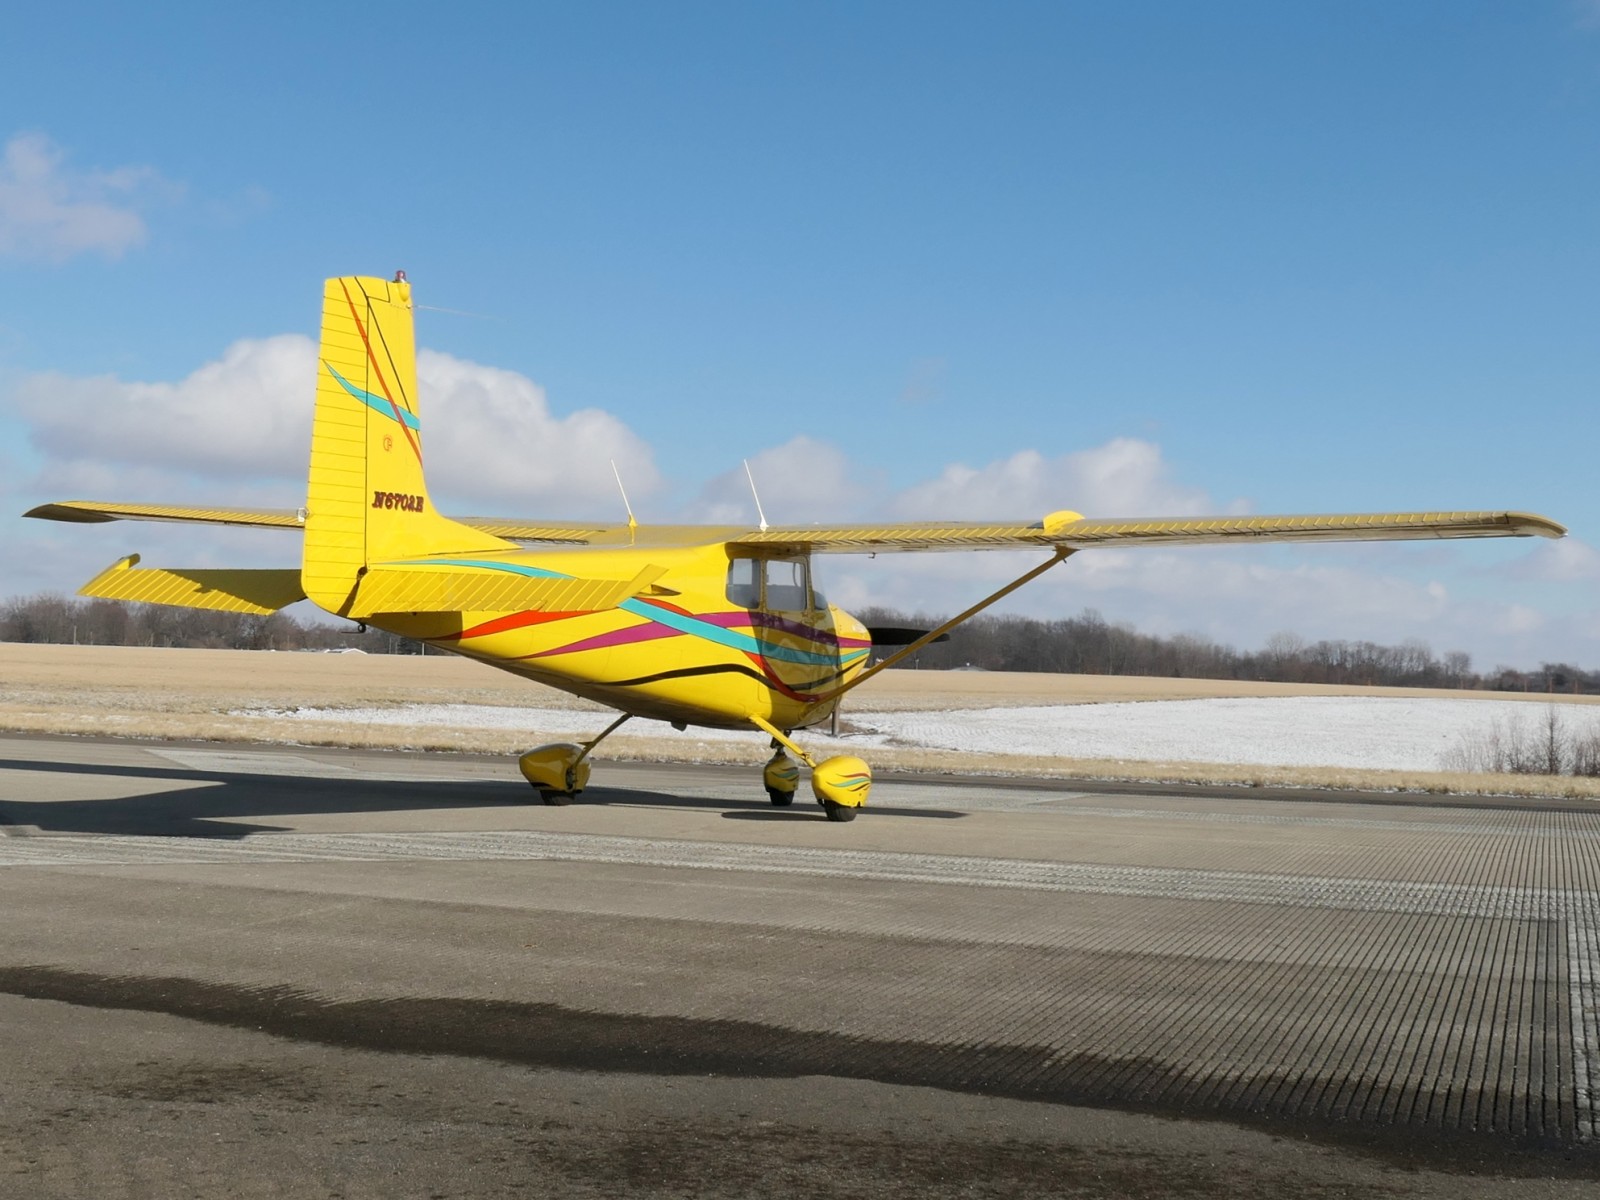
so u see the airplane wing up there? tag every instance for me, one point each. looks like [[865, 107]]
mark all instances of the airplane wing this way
[[1071, 531], [1068, 530], [91, 512]]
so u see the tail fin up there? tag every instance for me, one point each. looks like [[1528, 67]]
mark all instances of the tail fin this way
[[366, 501]]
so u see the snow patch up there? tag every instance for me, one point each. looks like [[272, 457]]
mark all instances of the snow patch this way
[[1359, 732]]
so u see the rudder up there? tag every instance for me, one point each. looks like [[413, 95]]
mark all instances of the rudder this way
[[366, 499]]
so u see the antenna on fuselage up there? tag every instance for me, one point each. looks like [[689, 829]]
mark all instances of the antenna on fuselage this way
[[633, 522], [756, 494]]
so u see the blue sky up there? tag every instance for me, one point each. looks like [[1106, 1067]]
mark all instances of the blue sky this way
[[910, 259]]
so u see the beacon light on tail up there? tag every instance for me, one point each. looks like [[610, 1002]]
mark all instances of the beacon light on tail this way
[[719, 626]]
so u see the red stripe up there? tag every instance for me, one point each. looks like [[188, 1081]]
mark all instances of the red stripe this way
[[513, 621], [382, 383]]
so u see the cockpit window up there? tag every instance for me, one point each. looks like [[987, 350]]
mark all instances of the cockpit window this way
[[787, 585], [776, 584], [744, 582]]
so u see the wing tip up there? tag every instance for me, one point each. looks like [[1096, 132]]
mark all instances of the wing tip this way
[[76, 511], [1528, 524]]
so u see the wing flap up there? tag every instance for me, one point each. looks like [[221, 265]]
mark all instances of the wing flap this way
[[421, 589], [897, 537], [221, 590], [542, 531]]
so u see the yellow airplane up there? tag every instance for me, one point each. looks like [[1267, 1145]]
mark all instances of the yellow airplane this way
[[694, 625]]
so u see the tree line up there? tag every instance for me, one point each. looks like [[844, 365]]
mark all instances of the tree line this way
[[70, 620], [1086, 644]]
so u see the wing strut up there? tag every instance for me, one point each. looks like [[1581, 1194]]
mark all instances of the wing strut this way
[[934, 635]]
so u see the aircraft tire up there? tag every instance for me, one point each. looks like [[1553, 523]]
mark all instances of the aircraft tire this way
[[554, 798], [839, 812], [780, 798]]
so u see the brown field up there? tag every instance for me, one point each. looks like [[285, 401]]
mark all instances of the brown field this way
[[198, 694]]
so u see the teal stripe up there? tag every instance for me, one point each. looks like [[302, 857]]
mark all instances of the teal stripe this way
[[705, 631], [692, 626], [376, 403], [489, 565]]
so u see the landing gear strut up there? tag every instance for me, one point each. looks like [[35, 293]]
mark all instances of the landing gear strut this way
[[561, 770], [840, 783]]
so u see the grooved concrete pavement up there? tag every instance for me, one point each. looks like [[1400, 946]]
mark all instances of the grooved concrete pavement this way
[[1415, 978]]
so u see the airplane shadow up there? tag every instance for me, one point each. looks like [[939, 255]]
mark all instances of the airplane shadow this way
[[229, 805]]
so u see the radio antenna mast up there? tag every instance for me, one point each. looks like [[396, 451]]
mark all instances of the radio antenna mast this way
[[756, 494], [633, 523]]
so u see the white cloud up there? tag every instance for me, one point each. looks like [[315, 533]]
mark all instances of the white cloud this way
[[52, 212], [799, 482], [248, 413], [1125, 477], [1566, 561], [491, 438], [1519, 618]]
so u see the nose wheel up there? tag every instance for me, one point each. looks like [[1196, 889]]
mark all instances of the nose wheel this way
[[840, 784]]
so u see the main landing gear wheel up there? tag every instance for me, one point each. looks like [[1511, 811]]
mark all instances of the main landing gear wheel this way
[[780, 777], [837, 811], [560, 770]]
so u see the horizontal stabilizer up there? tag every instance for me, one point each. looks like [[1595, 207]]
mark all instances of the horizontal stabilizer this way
[[422, 589], [257, 592], [90, 512]]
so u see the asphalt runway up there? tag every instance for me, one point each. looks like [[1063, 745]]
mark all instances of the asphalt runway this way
[[287, 971]]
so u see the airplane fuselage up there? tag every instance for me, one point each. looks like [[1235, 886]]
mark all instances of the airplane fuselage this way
[[718, 638]]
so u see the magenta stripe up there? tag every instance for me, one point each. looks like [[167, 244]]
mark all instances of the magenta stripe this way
[[635, 634], [621, 637]]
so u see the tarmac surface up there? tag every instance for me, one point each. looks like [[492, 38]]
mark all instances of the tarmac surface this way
[[271, 971]]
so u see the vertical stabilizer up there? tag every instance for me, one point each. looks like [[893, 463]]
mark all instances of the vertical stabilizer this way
[[366, 501]]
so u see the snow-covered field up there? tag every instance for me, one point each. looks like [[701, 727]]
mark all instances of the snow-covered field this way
[[1331, 731]]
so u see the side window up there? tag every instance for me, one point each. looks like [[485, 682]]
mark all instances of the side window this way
[[786, 585], [744, 582]]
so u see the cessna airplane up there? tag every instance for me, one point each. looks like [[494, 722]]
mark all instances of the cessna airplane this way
[[718, 626]]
